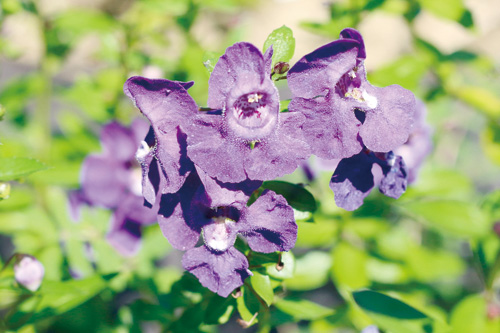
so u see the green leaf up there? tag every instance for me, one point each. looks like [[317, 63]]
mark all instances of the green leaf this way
[[219, 310], [490, 141], [376, 302], [470, 316], [282, 270], [483, 100], [283, 44], [303, 309], [448, 9], [12, 168], [296, 196], [262, 286], [349, 266], [248, 305], [59, 297], [311, 271], [456, 217]]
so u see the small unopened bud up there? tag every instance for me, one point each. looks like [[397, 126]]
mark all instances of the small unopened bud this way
[[4, 191], [29, 272], [281, 68], [496, 228], [280, 266], [237, 293]]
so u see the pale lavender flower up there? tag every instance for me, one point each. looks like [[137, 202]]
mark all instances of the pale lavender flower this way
[[112, 179]]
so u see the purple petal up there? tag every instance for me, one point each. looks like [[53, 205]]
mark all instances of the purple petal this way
[[225, 194], [351, 33], [167, 105], [221, 272], [76, 199], [179, 218], [394, 182], [330, 129], [118, 142], [218, 156], [268, 59], [126, 223], [104, 180], [268, 224], [318, 72], [388, 124], [239, 60], [419, 144], [352, 181], [282, 153]]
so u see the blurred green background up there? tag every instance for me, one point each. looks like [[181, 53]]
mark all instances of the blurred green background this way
[[62, 68]]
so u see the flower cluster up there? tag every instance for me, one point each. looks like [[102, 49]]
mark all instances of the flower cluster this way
[[199, 167], [112, 179]]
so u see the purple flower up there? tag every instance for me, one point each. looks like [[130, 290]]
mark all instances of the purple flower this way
[[169, 108], [112, 179], [247, 136], [419, 143], [218, 212], [343, 111], [355, 177], [28, 272]]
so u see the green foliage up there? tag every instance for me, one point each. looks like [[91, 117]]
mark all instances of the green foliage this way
[[12, 168], [283, 44]]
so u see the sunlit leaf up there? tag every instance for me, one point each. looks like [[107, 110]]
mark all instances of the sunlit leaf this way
[[12, 168], [283, 44], [303, 309]]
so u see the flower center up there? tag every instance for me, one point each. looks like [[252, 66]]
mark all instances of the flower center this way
[[253, 116], [349, 86], [248, 109], [220, 234]]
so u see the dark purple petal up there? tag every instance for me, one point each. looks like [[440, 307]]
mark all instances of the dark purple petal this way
[[180, 218], [118, 142], [268, 224], [169, 108], [352, 180], [388, 123], [221, 272], [330, 129], [394, 182], [318, 72], [351, 33], [282, 153], [219, 157], [104, 181], [225, 194]]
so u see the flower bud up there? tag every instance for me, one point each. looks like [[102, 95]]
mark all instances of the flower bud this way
[[29, 272]]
